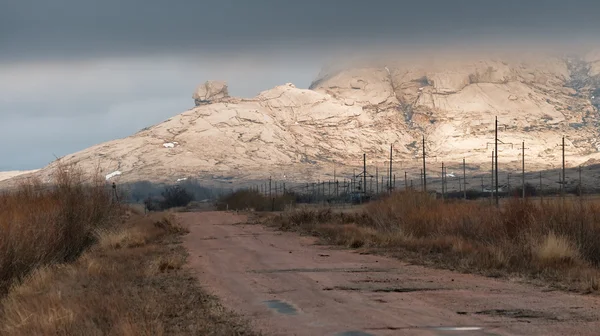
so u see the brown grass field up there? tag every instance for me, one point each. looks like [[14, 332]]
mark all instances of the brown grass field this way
[[74, 262], [556, 241]]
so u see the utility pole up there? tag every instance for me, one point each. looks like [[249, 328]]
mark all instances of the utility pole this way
[[377, 180], [541, 192], [496, 151], [269, 187], [564, 180], [580, 185], [391, 157], [365, 174], [405, 182], [523, 169], [424, 168], [492, 186], [443, 181], [464, 179]]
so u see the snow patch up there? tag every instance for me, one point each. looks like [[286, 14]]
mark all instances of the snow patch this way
[[181, 179], [113, 174], [169, 145]]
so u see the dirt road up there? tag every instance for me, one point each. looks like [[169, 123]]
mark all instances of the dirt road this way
[[287, 285]]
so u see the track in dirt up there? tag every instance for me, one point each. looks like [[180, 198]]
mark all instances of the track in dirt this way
[[286, 284]]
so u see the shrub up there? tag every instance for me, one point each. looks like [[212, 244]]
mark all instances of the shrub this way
[[41, 224], [176, 196]]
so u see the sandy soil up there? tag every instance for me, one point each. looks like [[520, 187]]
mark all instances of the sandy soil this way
[[288, 285]]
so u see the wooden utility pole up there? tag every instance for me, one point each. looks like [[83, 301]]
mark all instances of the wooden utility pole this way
[[564, 180], [523, 169], [443, 178], [377, 180], [424, 168], [541, 191], [496, 151], [391, 157], [492, 186], [580, 185], [405, 182], [269, 187], [464, 179], [365, 174]]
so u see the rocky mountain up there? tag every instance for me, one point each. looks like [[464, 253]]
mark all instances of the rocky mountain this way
[[301, 135]]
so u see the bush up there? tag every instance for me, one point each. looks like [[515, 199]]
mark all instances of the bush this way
[[41, 224], [172, 197], [176, 196]]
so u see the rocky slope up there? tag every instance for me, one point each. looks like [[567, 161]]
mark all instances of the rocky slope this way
[[305, 134]]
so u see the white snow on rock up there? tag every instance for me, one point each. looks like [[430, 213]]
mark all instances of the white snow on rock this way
[[181, 179], [113, 174], [169, 145]]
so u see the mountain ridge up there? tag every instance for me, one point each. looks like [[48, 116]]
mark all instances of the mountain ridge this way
[[363, 107]]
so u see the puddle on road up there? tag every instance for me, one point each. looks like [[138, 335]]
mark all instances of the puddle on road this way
[[281, 307], [517, 313], [381, 290], [353, 333], [318, 270]]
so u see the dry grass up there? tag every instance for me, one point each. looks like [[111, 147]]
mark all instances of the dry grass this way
[[557, 242], [254, 200], [73, 262], [40, 225], [130, 283]]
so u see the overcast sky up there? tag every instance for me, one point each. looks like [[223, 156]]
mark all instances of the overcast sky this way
[[74, 73]]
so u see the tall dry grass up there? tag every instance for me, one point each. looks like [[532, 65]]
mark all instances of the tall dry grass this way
[[41, 224], [251, 199], [557, 240]]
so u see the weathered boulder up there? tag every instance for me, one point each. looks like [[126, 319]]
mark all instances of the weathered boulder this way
[[209, 92]]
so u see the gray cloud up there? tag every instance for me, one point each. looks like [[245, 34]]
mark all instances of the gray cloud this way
[[56, 108], [74, 73], [71, 28]]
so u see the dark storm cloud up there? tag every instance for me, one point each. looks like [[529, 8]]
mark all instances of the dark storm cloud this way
[[72, 28], [74, 73]]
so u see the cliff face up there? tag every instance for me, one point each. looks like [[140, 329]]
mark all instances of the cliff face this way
[[297, 134], [453, 103]]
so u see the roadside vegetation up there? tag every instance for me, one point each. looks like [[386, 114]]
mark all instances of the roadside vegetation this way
[[557, 241], [255, 201], [73, 261]]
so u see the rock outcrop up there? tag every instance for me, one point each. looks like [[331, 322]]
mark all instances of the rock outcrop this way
[[305, 134], [210, 92]]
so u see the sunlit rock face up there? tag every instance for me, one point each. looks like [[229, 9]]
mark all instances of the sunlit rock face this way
[[363, 107]]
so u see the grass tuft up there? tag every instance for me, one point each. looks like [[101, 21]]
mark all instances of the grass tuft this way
[[554, 240]]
